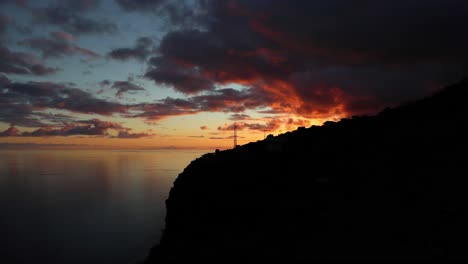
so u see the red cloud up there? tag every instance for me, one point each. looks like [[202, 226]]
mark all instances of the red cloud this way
[[10, 132], [313, 59], [63, 35]]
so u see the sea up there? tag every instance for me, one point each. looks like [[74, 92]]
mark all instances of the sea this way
[[84, 206]]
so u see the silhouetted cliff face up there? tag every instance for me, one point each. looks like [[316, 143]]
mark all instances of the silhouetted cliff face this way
[[392, 186]]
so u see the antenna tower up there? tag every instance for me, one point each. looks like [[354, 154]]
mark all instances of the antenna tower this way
[[235, 135]]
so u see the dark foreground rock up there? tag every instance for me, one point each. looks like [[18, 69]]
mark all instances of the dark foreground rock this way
[[392, 186]]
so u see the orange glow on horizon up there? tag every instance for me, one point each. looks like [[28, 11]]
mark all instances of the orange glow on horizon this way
[[214, 137]]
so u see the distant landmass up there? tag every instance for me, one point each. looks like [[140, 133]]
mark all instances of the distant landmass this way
[[392, 186]]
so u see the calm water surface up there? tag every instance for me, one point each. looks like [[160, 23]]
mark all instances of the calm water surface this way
[[84, 206]]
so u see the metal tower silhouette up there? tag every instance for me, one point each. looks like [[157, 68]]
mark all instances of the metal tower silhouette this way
[[235, 135]]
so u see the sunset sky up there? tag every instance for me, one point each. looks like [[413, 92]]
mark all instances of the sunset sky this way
[[178, 74]]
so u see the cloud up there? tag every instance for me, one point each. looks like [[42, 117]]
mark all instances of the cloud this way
[[20, 3], [93, 127], [59, 96], [13, 23], [68, 130], [201, 136], [184, 79], [53, 118], [4, 22], [63, 36], [28, 145], [140, 5], [204, 128], [10, 132], [124, 87], [69, 15], [18, 114], [164, 108], [57, 46], [236, 117], [270, 124], [104, 83], [317, 59], [27, 104], [127, 134], [228, 137], [79, 5], [220, 100], [141, 50], [176, 12], [22, 63], [23, 103], [4, 80]]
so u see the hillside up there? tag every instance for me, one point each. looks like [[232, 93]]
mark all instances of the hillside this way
[[390, 186]]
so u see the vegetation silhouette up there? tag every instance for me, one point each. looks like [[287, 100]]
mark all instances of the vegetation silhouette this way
[[391, 186]]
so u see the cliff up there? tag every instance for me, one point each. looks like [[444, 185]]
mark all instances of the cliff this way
[[390, 186]]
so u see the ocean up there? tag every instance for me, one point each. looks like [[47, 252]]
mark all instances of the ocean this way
[[76, 206]]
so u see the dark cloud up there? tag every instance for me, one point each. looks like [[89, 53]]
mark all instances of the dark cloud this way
[[236, 117], [4, 21], [140, 5], [221, 100], [57, 46], [22, 63], [25, 104], [22, 103], [227, 137], [93, 127], [104, 83], [63, 36], [201, 136], [124, 87], [176, 12], [59, 96], [318, 59], [270, 124], [142, 49], [69, 15], [127, 134], [210, 59], [28, 145], [102, 124], [10, 132], [27, 109], [9, 22], [165, 108], [14, 112], [79, 5], [204, 127], [20, 3], [53, 118], [4, 81], [185, 79]]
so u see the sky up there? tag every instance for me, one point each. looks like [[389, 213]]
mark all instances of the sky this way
[[181, 74]]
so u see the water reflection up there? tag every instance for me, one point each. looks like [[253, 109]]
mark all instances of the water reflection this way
[[84, 206]]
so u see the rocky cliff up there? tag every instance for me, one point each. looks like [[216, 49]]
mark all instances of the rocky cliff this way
[[390, 186]]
